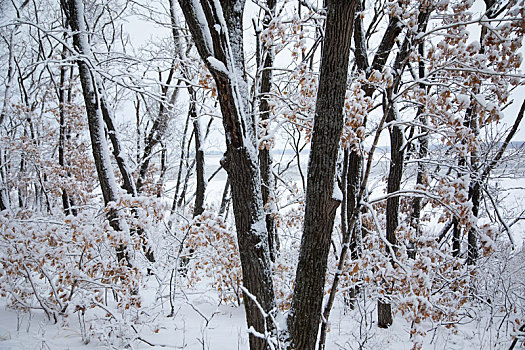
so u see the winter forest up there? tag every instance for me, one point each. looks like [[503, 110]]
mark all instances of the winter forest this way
[[262, 174]]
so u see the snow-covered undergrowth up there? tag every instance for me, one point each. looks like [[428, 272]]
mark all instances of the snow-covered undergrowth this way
[[62, 286]]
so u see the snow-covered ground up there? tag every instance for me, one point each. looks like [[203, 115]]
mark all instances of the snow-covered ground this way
[[199, 323]]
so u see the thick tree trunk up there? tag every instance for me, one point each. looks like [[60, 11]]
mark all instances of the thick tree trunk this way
[[218, 35], [351, 233], [305, 312]]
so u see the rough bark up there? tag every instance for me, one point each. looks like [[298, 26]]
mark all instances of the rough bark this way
[[305, 312], [225, 199], [351, 233], [222, 51]]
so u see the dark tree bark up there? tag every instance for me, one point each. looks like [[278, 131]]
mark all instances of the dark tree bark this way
[[472, 236], [475, 186], [163, 169], [225, 199], [384, 310], [350, 229], [456, 238], [222, 51], [199, 156], [4, 200], [265, 158], [305, 312]]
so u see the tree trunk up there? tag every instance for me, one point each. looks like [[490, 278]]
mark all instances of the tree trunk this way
[[199, 156], [75, 13], [265, 157], [64, 134], [4, 200], [397, 157], [351, 233], [218, 35], [157, 131], [305, 312], [125, 172], [384, 311], [225, 200], [456, 238]]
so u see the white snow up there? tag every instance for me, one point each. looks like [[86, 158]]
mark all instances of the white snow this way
[[203, 24], [337, 194], [217, 65]]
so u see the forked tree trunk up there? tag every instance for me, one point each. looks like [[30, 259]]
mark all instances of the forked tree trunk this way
[[305, 312], [217, 30]]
